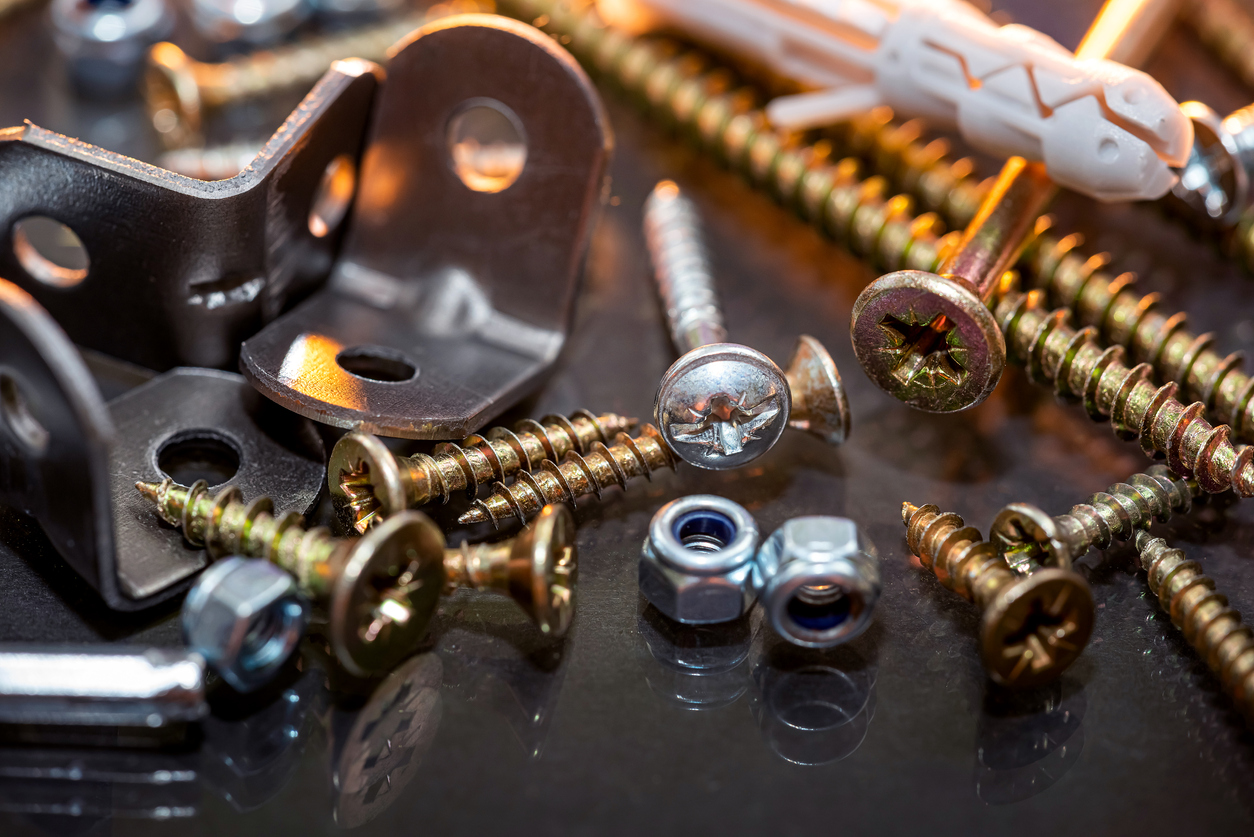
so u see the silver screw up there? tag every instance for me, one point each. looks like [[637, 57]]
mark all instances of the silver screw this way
[[722, 405], [1215, 182]]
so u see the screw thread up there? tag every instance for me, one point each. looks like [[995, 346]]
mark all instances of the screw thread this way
[[225, 525], [681, 267], [497, 454], [1199, 610], [1055, 353], [681, 89], [955, 553], [577, 476], [1124, 508]]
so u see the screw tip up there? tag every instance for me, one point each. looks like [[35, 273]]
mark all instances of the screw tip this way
[[477, 514], [907, 511], [148, 489]]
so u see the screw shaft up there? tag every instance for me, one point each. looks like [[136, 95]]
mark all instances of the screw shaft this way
[[1125, 508], [1199, 610], [955, 553], [1055, 353], [681, 266], [225, 525], [577, 476]]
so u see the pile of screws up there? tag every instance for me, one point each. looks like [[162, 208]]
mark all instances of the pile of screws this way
[[935, 332]]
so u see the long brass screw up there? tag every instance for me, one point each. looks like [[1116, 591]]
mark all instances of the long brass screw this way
[[1031, 627], [368, 482], [381, 590], [577, 476], [1199, 610], [1227, 29], [1055, 353], [179, 89], [1028, 538], [858, 213]]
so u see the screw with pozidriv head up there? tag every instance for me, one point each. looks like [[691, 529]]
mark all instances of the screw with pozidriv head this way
[[1027, 537], [1032, 627], [368, 482], [722, 405], [381, 590]]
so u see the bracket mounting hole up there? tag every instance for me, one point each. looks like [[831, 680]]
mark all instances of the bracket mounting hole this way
[[335, 193], [50, 251], [17, 416], [377, 364], [487, 145], [198, 455]]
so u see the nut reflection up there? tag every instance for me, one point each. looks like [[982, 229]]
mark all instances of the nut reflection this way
[[813, 706], [1025, 742], [700, 667], [382, 749]]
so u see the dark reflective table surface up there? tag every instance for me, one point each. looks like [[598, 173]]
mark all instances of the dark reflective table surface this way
[[634, 725]]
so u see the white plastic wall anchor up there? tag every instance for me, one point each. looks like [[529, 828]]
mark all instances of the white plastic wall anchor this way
[[1101, 128]]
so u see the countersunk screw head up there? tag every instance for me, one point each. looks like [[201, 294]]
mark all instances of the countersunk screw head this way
[[819, 403], [386, 593], [928, 341], [1028, 539], [723, 405], [1036, 627], [543, 569], [365, 481]]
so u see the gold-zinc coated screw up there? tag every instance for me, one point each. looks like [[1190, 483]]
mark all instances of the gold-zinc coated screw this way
[[180, 89], [1028, 538], [1125, 318], [1199, 610], [1227, 29], [1055, 353], [1031, 626], [380, 591], [368, 482], [577, 476]]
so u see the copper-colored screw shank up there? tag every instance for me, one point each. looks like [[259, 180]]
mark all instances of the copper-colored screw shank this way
[[381, 590], [180, 89], [1027, 537], [577, 476], [368, 482], [1199, 610], [1032, 627]]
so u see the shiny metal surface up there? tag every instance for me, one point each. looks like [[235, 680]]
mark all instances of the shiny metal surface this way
[[942, 752], [819, 581], [100, 686], [245, 617], [423, 332], [104, 41], [697, 561]]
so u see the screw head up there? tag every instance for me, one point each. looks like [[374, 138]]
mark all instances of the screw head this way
[[928, 341], [386, 593], [1028, 539], [364, 481], [722, 406], [820, 405], [1036, 627], [1213, 182], [543, 580]]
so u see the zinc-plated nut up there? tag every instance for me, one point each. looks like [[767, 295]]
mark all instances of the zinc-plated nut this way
[[819, 580], [244, 616], [105, 41], [698, 558]]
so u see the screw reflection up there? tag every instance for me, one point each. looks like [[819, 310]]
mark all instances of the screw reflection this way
[[1025, 742]]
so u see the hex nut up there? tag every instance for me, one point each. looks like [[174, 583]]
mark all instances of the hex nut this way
[[245, 617], [696, 563], [819, 580]]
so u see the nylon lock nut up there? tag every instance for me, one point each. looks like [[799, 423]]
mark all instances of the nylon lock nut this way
[[698, 559], [818, 579]]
